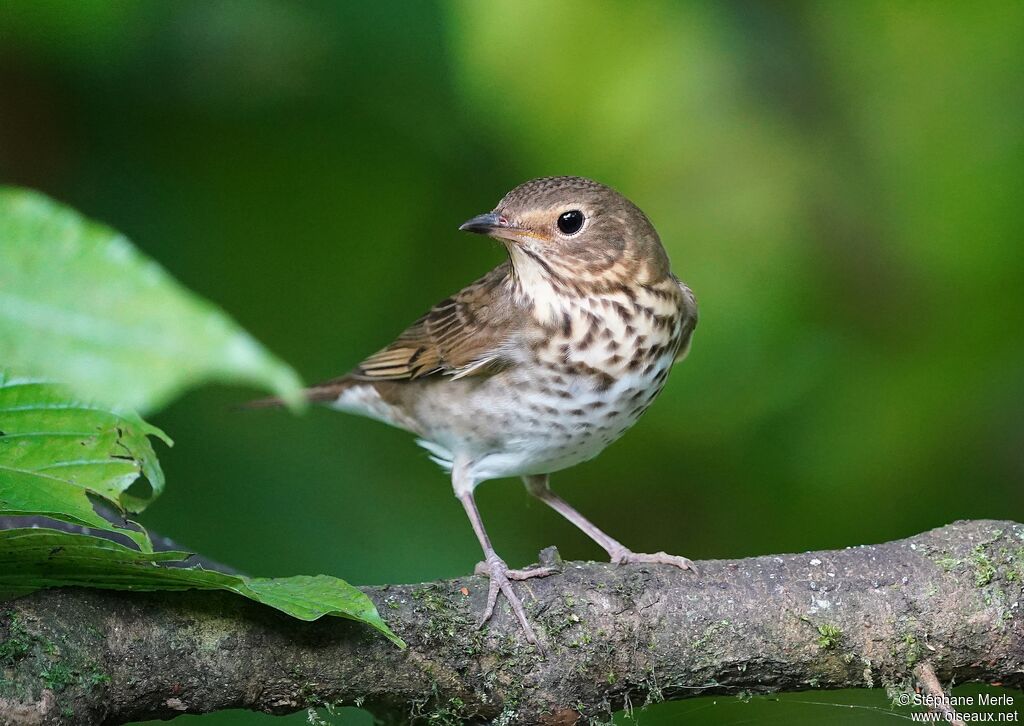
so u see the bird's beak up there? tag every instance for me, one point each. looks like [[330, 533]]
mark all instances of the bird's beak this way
[[491, 223], [498, 226], [494, 224]]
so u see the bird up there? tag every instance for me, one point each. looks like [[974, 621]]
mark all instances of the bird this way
[[538, 365]]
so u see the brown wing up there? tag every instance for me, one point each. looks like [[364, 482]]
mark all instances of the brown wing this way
[[461, 335]]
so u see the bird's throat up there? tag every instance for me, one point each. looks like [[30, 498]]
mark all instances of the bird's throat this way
[[539, 285]]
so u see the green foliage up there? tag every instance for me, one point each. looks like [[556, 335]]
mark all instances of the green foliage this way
[[56, 452], [79, 304], [984, 569], [47, 431], [57, 676], [31, 559], [16, 645], [829, 636]]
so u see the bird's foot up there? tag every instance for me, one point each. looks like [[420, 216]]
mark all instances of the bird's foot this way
[[500, 577], [624, 556]]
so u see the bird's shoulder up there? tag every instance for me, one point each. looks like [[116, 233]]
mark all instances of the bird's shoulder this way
[[465, 334]]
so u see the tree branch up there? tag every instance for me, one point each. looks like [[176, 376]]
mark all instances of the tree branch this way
[[614, 636]]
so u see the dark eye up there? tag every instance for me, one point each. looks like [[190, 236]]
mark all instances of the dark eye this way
[[571, 222]]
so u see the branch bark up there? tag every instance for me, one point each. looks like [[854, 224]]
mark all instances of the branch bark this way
[[614, 637]]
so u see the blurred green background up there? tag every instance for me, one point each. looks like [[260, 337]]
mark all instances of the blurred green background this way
[[839, 182]]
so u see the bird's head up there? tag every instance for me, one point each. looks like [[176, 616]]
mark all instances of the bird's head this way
[[574, 234]]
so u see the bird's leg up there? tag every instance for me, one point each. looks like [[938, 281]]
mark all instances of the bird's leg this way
[[494, 567], [619, 553]]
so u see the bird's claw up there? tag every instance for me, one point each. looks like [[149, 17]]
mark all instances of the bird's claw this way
[[500, 577]]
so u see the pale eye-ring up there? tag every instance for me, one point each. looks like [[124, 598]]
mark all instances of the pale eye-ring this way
[[571, 222]]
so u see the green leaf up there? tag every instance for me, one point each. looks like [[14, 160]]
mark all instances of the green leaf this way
[[23, 494], [56, 451], [31, 559], [79, 304], [44, 430]]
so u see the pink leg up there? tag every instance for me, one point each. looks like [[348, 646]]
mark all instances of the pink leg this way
[[498, 572], [619, 554]]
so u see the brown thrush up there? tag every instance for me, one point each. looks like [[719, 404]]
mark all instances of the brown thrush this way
[[542, 362]]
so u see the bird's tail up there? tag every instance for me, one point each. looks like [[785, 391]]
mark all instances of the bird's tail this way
[[272, 402], [320, 393]]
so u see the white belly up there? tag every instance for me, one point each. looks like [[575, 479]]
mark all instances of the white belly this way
[[515, 428]]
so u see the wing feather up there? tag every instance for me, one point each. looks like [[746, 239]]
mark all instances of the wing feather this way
[[462, 335]]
